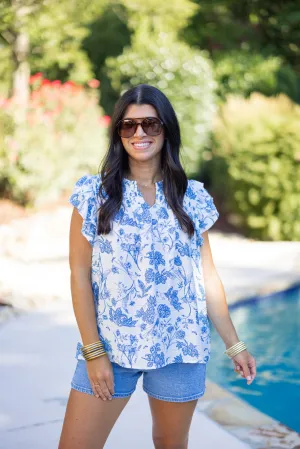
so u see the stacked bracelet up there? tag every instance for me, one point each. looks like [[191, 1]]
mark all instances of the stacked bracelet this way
[[235, 349], [93, 350]]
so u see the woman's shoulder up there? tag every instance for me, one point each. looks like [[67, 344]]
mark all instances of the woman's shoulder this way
[[195, 189], [201, 203], [86, 188], [89, 180]]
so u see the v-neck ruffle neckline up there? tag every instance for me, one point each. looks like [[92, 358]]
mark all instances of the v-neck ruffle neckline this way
[[158, 186]]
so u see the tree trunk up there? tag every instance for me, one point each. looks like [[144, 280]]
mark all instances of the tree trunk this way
[[20, 51], [22, 69]]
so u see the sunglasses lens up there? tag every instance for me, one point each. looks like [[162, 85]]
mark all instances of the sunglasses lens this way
[[126, 128], [151, 126]]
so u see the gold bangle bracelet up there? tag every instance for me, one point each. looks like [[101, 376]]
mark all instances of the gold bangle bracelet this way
[[238, 349], [92, 345], [235, 346], [236, 352], [239, 343], [96, 348], [94, 352], [84, 349], [95, 356], [235, 349]]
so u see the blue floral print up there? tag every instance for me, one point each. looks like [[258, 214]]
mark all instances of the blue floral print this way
[[147, 277]]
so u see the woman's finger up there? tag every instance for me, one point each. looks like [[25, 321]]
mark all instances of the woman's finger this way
[[108, 390], [246, 372], [110, 384], [105, 390], [252, 368], [96, 389]]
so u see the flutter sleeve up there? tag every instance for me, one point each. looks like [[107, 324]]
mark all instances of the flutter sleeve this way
[[206, 213], [84, 198]]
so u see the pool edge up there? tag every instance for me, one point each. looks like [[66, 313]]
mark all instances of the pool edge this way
[[237, 416], [245, 422]]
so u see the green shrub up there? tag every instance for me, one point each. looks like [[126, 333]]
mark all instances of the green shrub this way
[[61, 136], [256, 167], [243, 72], [185, 77]]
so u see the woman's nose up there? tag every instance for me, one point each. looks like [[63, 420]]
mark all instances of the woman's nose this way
[[139, 131]]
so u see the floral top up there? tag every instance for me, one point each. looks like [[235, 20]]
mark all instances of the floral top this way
[[146, 275]]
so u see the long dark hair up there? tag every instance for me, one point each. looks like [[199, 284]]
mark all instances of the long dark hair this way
[[115, 162]]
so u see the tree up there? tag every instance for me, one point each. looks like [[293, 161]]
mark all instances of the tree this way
[[43, 34], [272, 28], [251, 30], [157, 57]]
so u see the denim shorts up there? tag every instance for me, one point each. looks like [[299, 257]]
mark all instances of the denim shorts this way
[[176, 382]]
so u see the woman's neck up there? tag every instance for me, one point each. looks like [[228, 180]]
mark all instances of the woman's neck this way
[[144, 178]]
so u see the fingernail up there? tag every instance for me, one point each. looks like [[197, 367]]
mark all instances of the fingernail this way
[[248, 377]]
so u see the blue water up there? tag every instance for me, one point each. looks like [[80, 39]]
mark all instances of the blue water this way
[[270, 327]]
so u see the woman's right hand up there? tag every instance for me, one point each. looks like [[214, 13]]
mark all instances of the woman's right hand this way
[[101, 377]]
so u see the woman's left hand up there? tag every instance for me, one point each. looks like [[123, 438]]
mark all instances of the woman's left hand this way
[[245, 365]]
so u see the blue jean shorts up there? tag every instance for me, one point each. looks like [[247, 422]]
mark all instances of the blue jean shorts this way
[[176, 382]]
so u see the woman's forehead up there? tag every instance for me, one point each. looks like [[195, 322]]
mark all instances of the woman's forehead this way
[[140, 110]]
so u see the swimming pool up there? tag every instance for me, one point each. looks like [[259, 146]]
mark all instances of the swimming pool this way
[[270, 327]]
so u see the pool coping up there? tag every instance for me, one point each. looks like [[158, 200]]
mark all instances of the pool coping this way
[[237, 416]]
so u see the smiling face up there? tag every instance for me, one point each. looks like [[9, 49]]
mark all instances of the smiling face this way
[[151, 145]]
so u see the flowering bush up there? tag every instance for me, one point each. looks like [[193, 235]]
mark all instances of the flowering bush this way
[[57, 138]]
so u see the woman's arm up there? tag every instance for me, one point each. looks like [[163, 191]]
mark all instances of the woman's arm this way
[[217, 309], [80, 260], [99, 369]]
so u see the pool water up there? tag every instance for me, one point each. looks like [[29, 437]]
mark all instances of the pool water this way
[[270, 327]]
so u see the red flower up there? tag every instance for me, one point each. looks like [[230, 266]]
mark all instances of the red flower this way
[[35, 77], [105, 120], [93, 83], [69, 84], [46, 82], [72, 87], [56, 83]]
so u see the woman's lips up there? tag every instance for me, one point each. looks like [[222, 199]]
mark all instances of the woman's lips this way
[[142, 145]]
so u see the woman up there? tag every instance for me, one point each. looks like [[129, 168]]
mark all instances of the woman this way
[[143, 281]]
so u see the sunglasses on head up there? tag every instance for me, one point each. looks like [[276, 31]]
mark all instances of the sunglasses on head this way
[[127, 127]]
